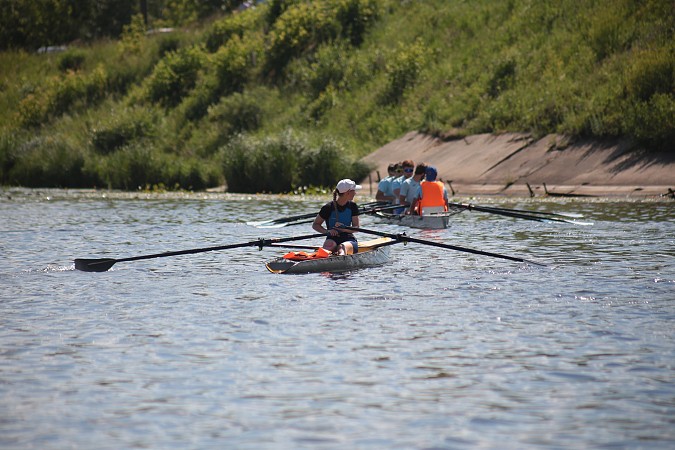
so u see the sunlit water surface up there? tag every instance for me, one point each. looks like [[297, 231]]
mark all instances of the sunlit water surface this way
[[438, 349]]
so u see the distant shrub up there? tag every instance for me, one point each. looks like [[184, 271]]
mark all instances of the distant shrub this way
[[239, 112], [60, 94], [230, 26], [123, 128], [168, 44], [48, 162], [355, 17], [133, 36], [191, 173], [610, 31], [404, 70], [328, 66], [329, 162], [145, 166], [326, 101], [230, 66], [9, 143], [174, 76], [300, 27], [132, 167], [502, 78], [72, 88], [228, 71], [652, 122], [281, 164], [72, 60], [266, 165], [32, 110], [276, 8], [651, 71]]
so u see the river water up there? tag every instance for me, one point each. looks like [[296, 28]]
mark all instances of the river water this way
[[440, 349]]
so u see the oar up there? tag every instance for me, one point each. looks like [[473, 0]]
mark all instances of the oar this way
[[518, 215], [283, 220], [276, 223], [103, 264], [405, 238], [542, 213], [308, 218]]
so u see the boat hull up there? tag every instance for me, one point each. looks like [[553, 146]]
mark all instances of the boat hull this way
[[371, 254], [434, 221]]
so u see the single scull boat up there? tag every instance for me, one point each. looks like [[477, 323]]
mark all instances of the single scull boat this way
[[371, 253]]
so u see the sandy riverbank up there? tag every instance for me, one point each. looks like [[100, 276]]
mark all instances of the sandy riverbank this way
[[506, 164]]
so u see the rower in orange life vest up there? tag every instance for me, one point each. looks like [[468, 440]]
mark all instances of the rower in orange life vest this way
[[433, 195]]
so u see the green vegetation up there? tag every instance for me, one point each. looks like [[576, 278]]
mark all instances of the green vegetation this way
[[292, 93]]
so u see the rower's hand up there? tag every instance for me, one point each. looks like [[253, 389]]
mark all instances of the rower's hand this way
[[333, 232]]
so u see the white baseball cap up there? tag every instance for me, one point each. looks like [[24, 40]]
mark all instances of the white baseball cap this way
[[347, 185]]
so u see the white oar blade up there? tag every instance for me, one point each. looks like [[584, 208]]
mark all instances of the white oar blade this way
[[271, 225]]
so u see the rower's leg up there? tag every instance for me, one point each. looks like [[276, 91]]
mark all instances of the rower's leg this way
[[346, 248], [330, 245]]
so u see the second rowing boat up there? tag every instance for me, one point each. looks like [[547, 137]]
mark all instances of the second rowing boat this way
[[432, 221]]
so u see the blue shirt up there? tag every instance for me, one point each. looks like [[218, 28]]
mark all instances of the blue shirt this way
[[344, 215], [411, 189], [386, 186]]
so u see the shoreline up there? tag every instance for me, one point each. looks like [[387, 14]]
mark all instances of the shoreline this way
[[516, 165]]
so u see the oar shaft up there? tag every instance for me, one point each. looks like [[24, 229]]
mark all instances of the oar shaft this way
[[404, 238], [541, 213], [471, 207], [103, 264], [286, 222], [259, 243], [518, 214], [307, 216]]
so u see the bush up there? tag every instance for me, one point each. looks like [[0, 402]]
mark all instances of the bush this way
[[131, 168], [168, 44], [279, 165], [267, 165], [653, 122], [48, 162], [239, 112], [355, 16], [235, 25], [174, 76], [404, 70], [325, 165], [123, 128], [327, 67], [651, 72], [60, 95], [227, 74], [72, 60], [300, 27]]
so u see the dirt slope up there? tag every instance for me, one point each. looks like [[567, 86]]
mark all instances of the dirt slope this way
[[505, 164]]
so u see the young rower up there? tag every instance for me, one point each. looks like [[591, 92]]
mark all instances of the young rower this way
[[385, 190], [411, 189], [407, 168], [342, 211], [433, 195]]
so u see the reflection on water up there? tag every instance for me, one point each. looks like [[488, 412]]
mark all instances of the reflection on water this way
[[438, 349]]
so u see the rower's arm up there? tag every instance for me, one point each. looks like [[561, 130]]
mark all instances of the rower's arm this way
[[317, 225]]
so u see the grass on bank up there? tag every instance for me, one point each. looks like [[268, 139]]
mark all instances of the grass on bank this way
[[293, 93]]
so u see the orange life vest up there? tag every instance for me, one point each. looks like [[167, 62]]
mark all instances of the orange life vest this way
[[302, 256], [432, 195]]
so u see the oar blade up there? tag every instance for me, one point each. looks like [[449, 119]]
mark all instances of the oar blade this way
[[270, 225], [94, 265]]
